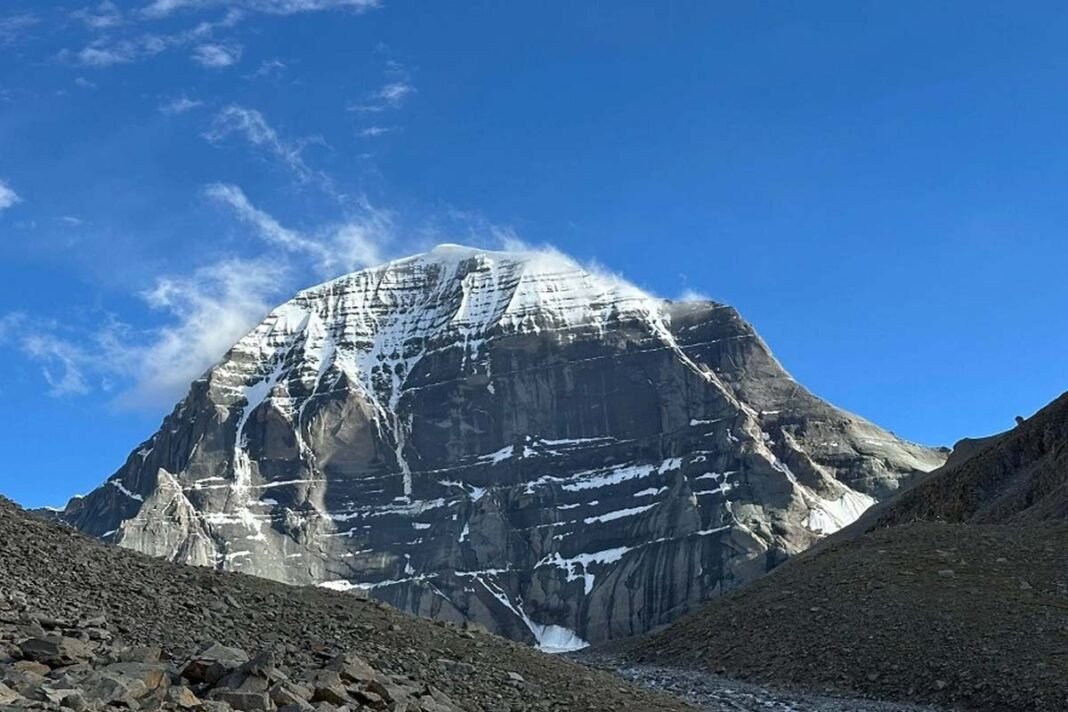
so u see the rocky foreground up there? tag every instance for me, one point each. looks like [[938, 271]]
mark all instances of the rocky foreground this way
[[84, 626]]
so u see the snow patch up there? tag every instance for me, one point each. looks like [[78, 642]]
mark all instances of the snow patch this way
[[826, 516], [578, 566], [340, 585], [695, 421], [556, 639], [612, 516], [549, 638], [117, 484], [650, 492]]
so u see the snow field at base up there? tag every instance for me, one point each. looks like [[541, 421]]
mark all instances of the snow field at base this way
[[549, 638], [558, 639], [827, 516]]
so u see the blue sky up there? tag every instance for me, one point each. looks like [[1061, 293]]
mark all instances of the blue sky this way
[[878, 187]]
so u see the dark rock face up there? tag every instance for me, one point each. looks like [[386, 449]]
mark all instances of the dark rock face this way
[[502, 438]]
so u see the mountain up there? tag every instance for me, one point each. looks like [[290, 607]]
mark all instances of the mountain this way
[[952, 591], [1018, 477], [85, 626], [502, 437]]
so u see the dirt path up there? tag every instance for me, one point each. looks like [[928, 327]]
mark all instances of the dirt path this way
[[712, 693]]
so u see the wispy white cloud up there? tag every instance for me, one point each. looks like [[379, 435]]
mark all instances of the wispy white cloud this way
[[692, 295], [63, 364], [267, 227], [252, 125], [357, 242], [216, 56], [163, 8], [207, 313], [103, 16], [203, 314], [390, 96], [268, 68], [62, 361], [120, 38], [14, 28], [180, 105], [71, 220], [9, 323], [375, 131], [8, 196], [394, 93], [107, 55], [105, 50]]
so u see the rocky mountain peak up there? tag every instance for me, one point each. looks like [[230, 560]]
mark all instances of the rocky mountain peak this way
[[504, 437]]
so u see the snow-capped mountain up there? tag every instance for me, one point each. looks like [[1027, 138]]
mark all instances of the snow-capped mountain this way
[[503, 437]]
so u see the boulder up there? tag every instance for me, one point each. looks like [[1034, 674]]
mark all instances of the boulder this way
[[7, 695], [155, 676], [55, 651], [213, 662], [239, 700], [114, 688], [30, 667], [257, 675], [327, 686], [352, 668], [48, 693], [141, 654], [75, 702], [182, 697], [290, 693]]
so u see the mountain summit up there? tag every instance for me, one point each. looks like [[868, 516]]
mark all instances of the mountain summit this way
[[502, 437]]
